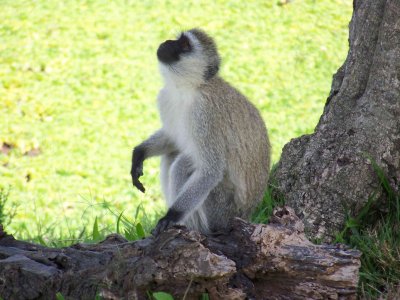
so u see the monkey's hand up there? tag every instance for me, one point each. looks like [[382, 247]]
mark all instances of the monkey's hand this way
[[137, 168], [170, 219]]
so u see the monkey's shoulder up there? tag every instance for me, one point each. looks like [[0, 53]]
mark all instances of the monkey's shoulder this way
[[220, 90], [227, 101]]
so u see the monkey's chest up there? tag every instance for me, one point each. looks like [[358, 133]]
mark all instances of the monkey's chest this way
[[176, 115]]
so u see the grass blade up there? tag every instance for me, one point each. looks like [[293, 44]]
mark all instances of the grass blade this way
[[162, 296], [140, 231], [119, 221], [96, 234]]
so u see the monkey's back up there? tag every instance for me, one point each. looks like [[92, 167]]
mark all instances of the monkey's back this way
[[238, 125]]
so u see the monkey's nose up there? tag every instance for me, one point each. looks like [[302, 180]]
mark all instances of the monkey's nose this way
[[168, 52]]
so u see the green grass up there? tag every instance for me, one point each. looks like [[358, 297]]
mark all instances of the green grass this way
[[375, 231], [272, 198], [7, 210], [78, 83]]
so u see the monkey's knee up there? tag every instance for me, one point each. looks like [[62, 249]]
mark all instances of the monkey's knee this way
[[180, 171], [166, 163]]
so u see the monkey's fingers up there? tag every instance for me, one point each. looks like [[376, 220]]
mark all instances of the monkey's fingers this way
[[138, 185], [157, 230], [154, 232], [162, 225]]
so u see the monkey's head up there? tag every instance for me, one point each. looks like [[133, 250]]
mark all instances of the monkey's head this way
[[192, 57]]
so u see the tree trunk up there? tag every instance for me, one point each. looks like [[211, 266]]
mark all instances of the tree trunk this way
[[328, 173], [256, 261]]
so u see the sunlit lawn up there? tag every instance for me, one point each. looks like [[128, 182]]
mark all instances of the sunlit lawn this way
[[78, 86]]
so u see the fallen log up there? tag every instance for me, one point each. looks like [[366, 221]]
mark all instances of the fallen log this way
[[252, 261]]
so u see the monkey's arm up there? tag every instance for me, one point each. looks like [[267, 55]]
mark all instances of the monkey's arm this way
[[156, 144], [194, 192]]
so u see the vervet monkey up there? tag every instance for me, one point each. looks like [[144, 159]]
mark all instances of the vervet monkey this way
[[215, 152]]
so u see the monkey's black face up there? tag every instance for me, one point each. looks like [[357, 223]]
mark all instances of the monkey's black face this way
[[171, 50]]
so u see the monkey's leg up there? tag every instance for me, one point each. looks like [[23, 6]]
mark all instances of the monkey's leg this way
[[180, 172], [166, 161], [176, 169], [192, 194]]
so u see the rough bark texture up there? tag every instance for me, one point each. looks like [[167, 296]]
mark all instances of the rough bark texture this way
[[327, 173], [256, 261]]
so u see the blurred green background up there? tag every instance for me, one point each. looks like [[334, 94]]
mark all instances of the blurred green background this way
[[78, 87]]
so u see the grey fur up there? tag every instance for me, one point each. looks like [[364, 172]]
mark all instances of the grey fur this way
[[214, 146], [210, 51]]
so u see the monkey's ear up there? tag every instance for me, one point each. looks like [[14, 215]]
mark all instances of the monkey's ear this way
[[211, 71], [185, 43]]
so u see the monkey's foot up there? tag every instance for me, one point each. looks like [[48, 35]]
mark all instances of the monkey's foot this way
[[171, 218]]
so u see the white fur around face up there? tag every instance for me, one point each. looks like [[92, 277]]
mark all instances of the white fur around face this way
[[176, 99], [189, 70]]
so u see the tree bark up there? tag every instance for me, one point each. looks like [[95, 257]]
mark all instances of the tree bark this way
[[256, 261], [326, 174]]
